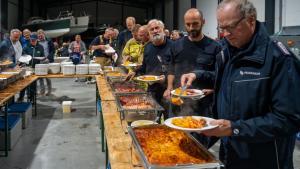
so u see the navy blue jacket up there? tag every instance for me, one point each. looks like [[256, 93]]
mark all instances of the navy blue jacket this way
[[34, 51], [123, 37], [257, 90], [7, 51]]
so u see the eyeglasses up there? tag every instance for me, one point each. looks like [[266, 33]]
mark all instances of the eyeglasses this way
[[230, 28]]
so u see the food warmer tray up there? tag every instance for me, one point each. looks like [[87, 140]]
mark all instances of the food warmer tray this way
[[149, 114], [10, 77], [214, 163], [111, 79], [126, 84], [3, 83]]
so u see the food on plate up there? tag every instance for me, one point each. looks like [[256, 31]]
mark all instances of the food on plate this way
[[189, 122], [187, 92], [178, 92], [148, 78], [177, 101], [168, 147], [135, 102]]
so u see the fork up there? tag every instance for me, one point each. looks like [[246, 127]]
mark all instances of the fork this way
[[183, 88]]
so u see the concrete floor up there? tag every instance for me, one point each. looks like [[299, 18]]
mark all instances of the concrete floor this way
[[57, 140], [68, 141]]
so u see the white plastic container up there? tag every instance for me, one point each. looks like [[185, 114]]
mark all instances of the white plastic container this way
[[65, 63], [54, 68], [82, 69], [94, 68], [67, 106], [41, 69], [69, 69]]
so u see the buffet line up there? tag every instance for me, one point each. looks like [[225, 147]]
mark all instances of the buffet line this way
[[153, 145]]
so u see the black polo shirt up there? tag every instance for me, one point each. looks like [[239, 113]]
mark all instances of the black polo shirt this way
[[188, 56]]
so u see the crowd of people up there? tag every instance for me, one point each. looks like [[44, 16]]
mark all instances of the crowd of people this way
[[250, 81]]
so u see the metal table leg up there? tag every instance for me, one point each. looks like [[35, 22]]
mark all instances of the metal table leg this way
[[102, 130], [106, 157], [34, 97]]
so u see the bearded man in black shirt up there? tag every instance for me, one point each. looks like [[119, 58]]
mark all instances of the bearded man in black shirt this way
[[156, 59], [195, 51]]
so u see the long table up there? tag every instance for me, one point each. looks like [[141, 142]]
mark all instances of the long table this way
[[118, 144], [7, 94], [12, 89]]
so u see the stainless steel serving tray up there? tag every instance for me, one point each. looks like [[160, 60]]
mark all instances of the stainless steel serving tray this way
[[149, 114], [10, 77], [3, 83], [147, 165], [125, 84], [111, 79]]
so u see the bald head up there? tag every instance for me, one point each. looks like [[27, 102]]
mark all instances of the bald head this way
[[193, 12], [193, 21]]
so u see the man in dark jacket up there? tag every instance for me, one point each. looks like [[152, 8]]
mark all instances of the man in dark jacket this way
[[10, 48], [124, 36], [256, 85], [49, 52], [37, 52]]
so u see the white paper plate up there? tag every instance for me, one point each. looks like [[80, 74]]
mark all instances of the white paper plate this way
[[110, 51], [138, 123], [140, 78], [25, 58], [198, 94], [169, 123], [131, 65]]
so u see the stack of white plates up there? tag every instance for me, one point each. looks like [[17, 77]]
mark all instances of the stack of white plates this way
[[82, 69], [41, 69], [54, 68], [94, 68], [65, 63], [68, 69]]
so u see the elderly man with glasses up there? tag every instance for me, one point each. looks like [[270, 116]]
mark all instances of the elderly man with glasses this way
[[256, 86]]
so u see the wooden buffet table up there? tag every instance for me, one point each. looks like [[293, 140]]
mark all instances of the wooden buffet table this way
[[7, 94], [118, 143]]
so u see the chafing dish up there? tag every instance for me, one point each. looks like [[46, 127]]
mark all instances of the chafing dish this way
[[3, 83], [19, 73], [115, 75], [139, 107], [186, 149], [123, 88], [10, 77]]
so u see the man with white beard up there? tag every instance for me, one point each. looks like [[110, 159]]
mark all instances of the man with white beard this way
[[156, 59]]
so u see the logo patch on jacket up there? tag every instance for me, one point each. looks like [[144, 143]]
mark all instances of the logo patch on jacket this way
[[283, 48], [249, 73]]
